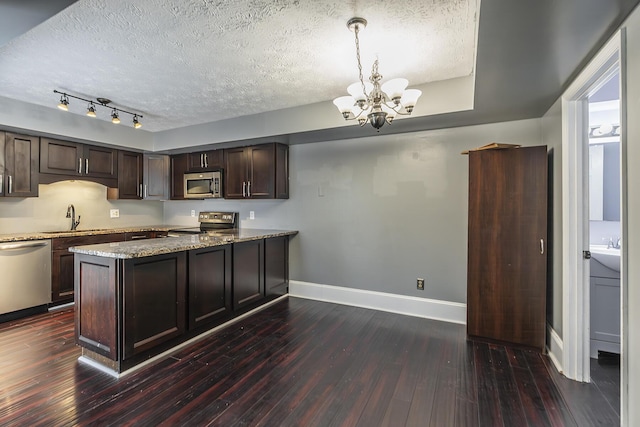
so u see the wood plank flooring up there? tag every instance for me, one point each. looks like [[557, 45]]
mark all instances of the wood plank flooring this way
[[296, 363]]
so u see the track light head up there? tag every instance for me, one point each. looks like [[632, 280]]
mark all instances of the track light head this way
[[64, 103], [114, 117], [91, 110], [136, 123]]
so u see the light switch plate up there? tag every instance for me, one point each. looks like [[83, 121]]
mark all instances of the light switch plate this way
[[252, 215], [114, 213]]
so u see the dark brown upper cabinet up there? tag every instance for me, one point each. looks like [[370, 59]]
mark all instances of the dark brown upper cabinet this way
[[156, 177], [179, 165], [206, 160], [19, 156], [257, 172], [61, 160], [130, 176]]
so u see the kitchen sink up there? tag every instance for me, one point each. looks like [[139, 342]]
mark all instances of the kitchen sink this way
[[609, 257]]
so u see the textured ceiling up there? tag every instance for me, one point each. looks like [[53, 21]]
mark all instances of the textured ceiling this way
[[184, 62]]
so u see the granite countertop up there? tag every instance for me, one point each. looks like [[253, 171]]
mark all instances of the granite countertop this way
[[151, 247], [42, 235]]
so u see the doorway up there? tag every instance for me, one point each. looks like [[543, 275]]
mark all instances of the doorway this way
[[576, 223]]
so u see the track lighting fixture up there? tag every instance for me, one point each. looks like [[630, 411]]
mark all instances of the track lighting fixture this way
[[102, 102]]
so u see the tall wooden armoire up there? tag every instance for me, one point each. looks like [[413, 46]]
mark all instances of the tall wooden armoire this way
[[507, 246]]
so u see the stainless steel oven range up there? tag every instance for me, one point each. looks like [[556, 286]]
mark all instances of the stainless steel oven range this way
[[210, 222]]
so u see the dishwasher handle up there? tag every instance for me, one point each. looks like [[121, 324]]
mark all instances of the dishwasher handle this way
[[21, 245]]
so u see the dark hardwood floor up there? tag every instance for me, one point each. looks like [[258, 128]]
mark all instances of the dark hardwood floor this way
[[297, 363]]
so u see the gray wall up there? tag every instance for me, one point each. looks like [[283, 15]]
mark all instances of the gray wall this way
[[377, 213]]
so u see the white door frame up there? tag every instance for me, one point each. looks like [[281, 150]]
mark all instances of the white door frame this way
[[575, 210]]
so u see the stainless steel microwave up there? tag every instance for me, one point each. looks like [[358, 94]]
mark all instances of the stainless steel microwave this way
[[203, 185]]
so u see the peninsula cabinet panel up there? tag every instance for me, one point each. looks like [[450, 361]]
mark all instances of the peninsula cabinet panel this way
[[507, 257], [209, 285], [154, 300], [248, 273], [97, 304], [19, 158], [276, 265]]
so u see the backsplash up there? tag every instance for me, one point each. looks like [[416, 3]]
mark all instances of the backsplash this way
[[47, 212]]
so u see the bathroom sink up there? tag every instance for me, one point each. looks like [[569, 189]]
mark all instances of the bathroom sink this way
[[609, 257]]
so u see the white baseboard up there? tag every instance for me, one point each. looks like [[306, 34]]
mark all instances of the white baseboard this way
[[446, 311], [555, 348]]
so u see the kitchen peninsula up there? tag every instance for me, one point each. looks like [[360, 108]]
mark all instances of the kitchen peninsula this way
[[137, 299]]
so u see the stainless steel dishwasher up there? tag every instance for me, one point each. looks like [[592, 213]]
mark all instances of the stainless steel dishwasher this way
[[25, 270]]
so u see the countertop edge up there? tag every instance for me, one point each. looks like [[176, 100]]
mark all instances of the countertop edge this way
[[43, 235]]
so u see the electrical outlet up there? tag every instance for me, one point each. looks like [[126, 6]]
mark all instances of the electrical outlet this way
[[114, 213], [193, 213], [421, 284], [252, 215]]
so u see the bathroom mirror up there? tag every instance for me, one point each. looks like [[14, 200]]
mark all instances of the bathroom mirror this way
[[604, 181]]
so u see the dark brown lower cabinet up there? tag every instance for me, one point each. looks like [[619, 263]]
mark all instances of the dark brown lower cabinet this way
[[153, 301], [248, 273], [209, 285], [62, 263], [276, 265], [507, 259]]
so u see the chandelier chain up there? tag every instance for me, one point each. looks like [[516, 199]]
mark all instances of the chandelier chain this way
[[356, 31]]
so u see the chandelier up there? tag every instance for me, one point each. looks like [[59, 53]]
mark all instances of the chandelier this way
[[372, 101], [101, 102]]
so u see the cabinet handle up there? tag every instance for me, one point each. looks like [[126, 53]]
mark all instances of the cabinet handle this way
[[80, 165], [10, 184], [140, 194], [145, 191], [542, 246], [138, 237], [248, 188], [244, 189], [201, 160], [206, 160], [1, 184], [86, 166]]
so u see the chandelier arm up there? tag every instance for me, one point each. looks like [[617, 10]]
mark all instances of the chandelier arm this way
[[399, 109]]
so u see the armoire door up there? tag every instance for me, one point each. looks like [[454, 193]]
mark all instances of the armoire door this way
[[507, 245]]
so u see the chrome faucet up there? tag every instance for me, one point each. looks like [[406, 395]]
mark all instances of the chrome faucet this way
[[71, 213]]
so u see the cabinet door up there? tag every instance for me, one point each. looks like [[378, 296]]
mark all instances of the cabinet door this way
[[129, 175], [282, 171], [206, 160], [100, 162], [156, 177], [61, 276], [209, 285], [248, 273], [61, 157], [179, 165], [276, 265], [235, 173], [261, 175], [507, 258], [21, 156], [154, 299]]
